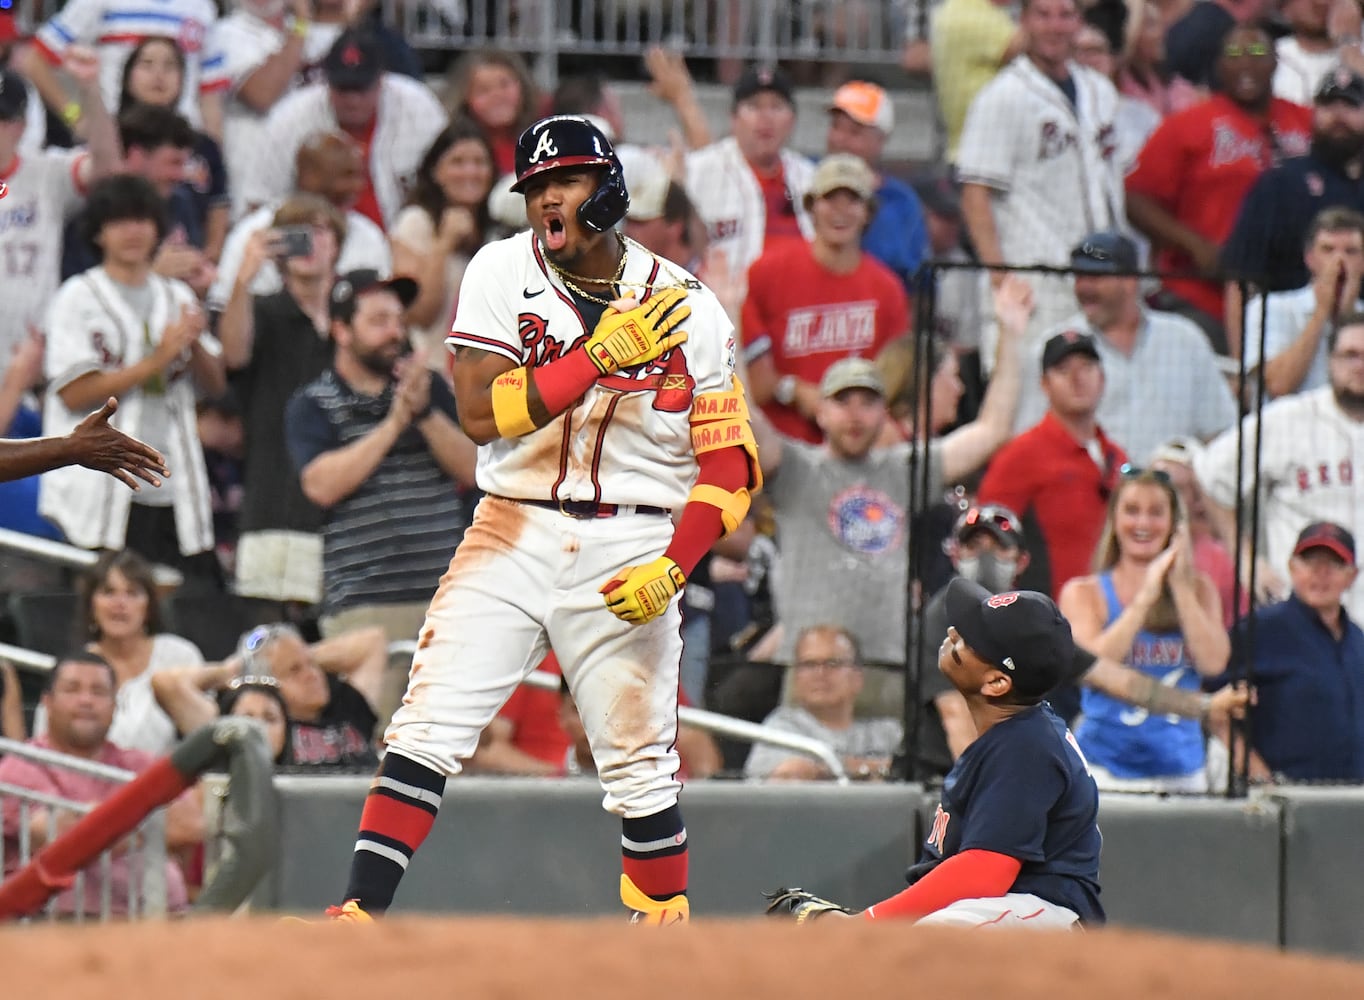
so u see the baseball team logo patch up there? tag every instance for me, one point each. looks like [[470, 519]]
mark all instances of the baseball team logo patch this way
[[1002, 600], [866, 520]]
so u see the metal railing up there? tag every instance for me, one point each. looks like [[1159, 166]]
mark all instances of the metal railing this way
[[126, 881], [714, 722], [857, 32], [61, 554]]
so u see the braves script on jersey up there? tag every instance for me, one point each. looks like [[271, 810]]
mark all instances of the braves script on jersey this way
[[629, 441], [43, 191]]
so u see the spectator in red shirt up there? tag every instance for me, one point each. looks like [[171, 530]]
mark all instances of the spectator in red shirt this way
[[1189, 180], [1060, 473], [810, 305]]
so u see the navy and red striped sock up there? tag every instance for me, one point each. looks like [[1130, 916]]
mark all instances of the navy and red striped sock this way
[[654, 853], [399, 811]]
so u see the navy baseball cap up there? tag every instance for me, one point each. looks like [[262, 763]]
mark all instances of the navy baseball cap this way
[[1021, 632], [1066, 343], [354, 62], [351, 285], [1327, 535], [756, 79], [1106, 252]]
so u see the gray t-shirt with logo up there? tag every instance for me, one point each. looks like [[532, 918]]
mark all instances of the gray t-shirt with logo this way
[[842, 528], [875, 738]]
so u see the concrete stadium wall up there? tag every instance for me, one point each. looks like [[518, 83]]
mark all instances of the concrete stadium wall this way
[[1275, 869]]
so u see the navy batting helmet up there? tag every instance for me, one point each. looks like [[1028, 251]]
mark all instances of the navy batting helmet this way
[[573, 141]]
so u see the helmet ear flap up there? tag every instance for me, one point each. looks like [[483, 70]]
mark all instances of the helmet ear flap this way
[[607, 205]]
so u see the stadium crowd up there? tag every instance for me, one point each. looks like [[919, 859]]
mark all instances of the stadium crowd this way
[[251, 228]]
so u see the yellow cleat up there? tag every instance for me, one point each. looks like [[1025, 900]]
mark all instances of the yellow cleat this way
[[349, 912], [647, 910]]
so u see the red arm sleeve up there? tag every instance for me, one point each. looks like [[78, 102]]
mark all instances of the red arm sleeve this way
[[700, 525], [968, 875]]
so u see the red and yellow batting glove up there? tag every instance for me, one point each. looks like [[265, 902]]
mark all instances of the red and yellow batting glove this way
[[638, 594]]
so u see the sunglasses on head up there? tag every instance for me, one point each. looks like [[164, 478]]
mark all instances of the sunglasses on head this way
[[991, 515], [1128, 471]]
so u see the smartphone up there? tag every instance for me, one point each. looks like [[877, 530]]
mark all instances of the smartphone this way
[[295, 241]]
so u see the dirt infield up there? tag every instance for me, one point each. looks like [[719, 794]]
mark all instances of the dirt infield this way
[[262, 959]]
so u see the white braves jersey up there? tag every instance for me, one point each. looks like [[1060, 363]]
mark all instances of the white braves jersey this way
[[408, 119], [246, 43], [1053, 166], [730, 202], [628, 440], [1312, 460], [115, 27], [43, 193]]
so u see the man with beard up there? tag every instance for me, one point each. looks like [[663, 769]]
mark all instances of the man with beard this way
[[1266, 245], [1309, 443], [79, 700], [843, 508], [1186, 187], [376, 444]]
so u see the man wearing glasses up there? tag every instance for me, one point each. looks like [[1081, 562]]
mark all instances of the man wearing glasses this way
[[1309, 443], [825, 681]]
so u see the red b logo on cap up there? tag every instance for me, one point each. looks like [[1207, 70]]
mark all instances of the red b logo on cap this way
[[1002, 600], [350, 55]]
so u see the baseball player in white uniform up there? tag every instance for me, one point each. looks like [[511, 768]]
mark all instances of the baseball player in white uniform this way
[[1311, 458], [1037, 163], [44, 188], [615, 448]]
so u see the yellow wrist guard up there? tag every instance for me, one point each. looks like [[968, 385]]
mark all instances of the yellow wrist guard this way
[[511, 403]]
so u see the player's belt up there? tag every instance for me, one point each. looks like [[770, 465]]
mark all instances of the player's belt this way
[[585, 509]]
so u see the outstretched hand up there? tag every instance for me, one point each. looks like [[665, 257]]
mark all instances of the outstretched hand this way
[[104, 448]]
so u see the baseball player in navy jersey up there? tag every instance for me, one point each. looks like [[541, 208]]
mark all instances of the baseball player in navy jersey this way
[[615, 449], [1015, 839]]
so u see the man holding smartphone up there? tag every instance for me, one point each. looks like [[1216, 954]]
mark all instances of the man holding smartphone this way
[[330, 165], [275, 344]]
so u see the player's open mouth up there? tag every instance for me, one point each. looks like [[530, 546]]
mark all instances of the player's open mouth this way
[[556, 235]]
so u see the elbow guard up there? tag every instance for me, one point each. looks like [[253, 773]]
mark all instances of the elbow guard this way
[[511, 404], [733, 506]]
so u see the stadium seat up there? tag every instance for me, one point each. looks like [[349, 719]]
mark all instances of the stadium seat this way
[[211, 620], [46, 621]]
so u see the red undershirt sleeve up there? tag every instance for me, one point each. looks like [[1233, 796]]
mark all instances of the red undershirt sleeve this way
[[968, 875], [700, 525]]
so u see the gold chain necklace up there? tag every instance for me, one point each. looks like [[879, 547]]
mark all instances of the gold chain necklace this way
[[570, 279]]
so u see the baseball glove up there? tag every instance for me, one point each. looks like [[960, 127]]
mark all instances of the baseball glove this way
[[799, 905]]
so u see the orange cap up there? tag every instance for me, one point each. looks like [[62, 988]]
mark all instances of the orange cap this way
[[865, 103]]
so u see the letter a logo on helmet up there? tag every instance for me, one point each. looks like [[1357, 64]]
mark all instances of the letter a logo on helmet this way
[[544, 147]]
